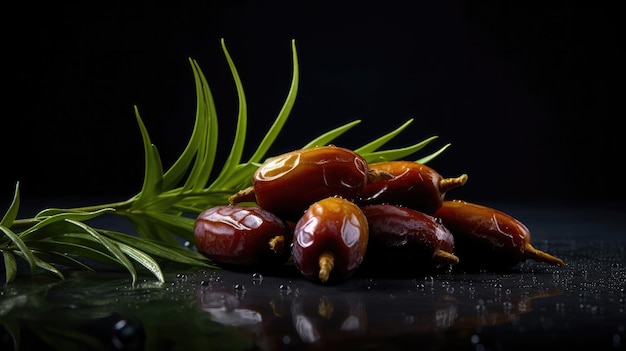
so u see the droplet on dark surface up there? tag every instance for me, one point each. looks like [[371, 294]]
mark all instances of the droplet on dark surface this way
[[128, 334], [257, 278]]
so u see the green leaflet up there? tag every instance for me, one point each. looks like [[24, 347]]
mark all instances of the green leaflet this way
[[174, 253], [378, 143], [23, 249], [10, 266], [331, 135], [11, 213], [143, 259]]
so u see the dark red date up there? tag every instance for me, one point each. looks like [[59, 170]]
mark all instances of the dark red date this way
[[288, 184], [412, 185], [405, 242], [486, 238], [242, 235], [330, 240]]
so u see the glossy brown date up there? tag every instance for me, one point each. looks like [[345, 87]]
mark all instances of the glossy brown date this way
[[242, 235], [486, 238], [412, 185], [288, 184], [330, 240], [405, 242]]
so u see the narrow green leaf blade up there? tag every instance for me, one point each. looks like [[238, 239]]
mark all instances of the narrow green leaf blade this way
[[379, 142], [46, 220], [23, 248], [11, 213], [206, 145], [331, 135], [43, 264], [62, 259], [234, 157], [143, 259], [428, 158], [240, 178], [148, 226], [182, 226], [198, 138], [284, 113], [153, 173], [10, 266], [396, 154], [174, 253], [111, 247], [77, 244]]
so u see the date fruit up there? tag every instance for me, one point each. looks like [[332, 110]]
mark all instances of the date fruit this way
[[330, 240], [413, 185], [288, 184], [242, 236], [486, 238], [405, 242]]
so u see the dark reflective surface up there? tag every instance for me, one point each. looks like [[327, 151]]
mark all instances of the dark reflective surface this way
[[579, 306]]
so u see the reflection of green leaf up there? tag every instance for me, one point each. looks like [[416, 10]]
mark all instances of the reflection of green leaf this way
[[165, 208], [63, 338], [13, 329], [81, 313]]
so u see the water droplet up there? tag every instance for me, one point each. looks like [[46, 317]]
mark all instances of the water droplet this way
[[257, 278], [474, 339], [507, 306], [240, 291], [128, 334], [284, 289], [481, 308]]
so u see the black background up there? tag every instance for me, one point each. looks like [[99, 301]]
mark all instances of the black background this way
[[525, 93]]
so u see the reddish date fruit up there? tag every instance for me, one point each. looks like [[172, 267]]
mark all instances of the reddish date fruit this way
[[288, 184], [242, 236], [405, 242], [486, 238], [413, 185], [330, 240]]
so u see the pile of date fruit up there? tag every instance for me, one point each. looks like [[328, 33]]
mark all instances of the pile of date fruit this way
[[328, 213]]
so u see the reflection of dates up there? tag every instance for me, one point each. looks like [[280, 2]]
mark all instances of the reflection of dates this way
[[226, 309], [321, 318], [307, 317]]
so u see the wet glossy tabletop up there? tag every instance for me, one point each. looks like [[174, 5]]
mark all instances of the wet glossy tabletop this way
[[534, 305]]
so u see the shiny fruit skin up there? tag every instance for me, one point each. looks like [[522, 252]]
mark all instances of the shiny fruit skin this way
[[332, 225], [288, 184], [404, 241], [414, 185], [241, 235], [486, 238]]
